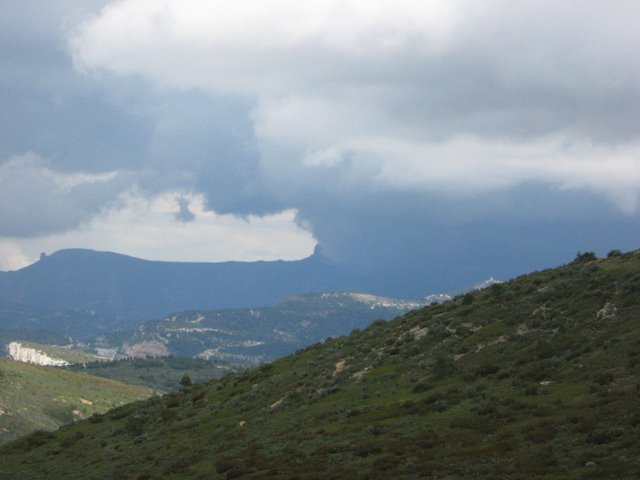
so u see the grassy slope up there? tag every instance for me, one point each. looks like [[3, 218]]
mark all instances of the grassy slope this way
[[34, 397], [534, 379]]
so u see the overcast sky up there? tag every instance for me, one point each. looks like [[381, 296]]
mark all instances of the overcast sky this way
[[405, 132]]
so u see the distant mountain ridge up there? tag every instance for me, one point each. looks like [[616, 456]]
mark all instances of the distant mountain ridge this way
[[125, 286], [128, 287], [131, 289]]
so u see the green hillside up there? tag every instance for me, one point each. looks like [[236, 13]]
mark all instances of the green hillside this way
[[34, 397], [535, 378]]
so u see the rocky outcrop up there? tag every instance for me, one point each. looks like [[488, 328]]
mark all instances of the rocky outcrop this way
[[22, 353], [147, 348]]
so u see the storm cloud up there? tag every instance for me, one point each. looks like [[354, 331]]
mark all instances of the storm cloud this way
[[400, 132], [424, 95], [35, 199]]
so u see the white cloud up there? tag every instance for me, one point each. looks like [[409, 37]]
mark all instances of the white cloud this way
[[451, 96], [470, 165], [147, 228], [255, 46], [11, 256]]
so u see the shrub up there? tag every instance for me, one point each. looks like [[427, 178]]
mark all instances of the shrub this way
[[471, 391], [37, 438], [440, 405], [487, 369], [443, 366], [96, 418], [235, 474], [168, 414], [224, 465], [367, 449], [585, 257], [178, 466], [599, 437], [603, 378], [72, 439], [135, 425], [421, 387], [497, 290], [62, 413]]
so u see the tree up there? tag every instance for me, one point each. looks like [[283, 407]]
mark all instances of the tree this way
[[185, 381], [585, 257], [467, 299], [443, 366]]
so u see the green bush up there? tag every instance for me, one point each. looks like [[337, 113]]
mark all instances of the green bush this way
[[585, 257], [443, 366]]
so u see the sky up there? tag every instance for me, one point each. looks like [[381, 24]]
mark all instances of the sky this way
[[483, 138]]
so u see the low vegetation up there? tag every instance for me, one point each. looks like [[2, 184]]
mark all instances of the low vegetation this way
[[535, 378]]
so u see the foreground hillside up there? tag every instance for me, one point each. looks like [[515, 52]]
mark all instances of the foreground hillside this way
[[34, 397], [535, 378]]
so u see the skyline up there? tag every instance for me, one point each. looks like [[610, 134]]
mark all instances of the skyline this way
[[482, 139]]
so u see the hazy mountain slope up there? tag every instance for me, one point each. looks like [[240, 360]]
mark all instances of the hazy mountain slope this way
[[255, 335], [118, 285], [51, 321], [134, 290], [8, 335], [34, 397], [536, 378]]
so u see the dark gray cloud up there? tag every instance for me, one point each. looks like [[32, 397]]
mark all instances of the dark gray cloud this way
[[206, 143], [73, 123], [34, 199], [47, 107], [427, 243], [75, 129], [184, 214]]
